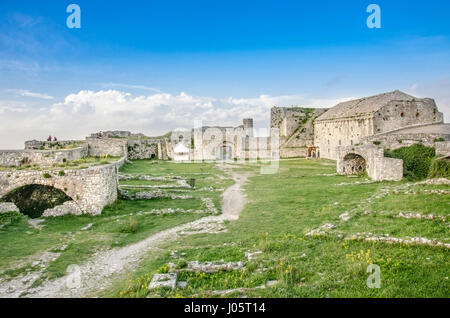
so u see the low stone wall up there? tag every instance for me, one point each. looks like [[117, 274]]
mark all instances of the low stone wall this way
[[50, 145], [442, 148], [90, 189], [378, 167], [107, 146], [16, 158], [395, 141]]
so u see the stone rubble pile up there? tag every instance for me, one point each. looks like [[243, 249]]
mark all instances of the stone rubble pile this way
[[323, 229], [8, 207], [213, 267], [68, 207], [436, 181], [369, 237], [420, 216]]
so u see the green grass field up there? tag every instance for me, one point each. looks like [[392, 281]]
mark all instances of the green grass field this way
[[23, 244], [281, 209]]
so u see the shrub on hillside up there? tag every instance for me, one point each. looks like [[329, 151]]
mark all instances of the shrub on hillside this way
[[8, 218], [440, 168], [417, 160], [131, 227]]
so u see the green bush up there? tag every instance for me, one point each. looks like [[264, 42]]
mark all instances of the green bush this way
[[440, 168], [9, 218], [62, 173], [377, 143], [417, 160], [131, 227], [46, 175], [439, 139]]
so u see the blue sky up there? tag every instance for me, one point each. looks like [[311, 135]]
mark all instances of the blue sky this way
[[218, 60]]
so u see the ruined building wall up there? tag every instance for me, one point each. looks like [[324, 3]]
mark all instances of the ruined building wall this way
[[107, 146], [16, 158], [90, 189], [329, 134], [397, 114], [143, 149], [296, 126]]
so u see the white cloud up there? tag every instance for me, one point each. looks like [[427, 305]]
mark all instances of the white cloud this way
[[121, 85], [155, 114], [27, 93], [439, 91]]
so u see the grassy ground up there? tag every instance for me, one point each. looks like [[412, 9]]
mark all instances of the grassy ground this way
[[282, 209], [119, 224]]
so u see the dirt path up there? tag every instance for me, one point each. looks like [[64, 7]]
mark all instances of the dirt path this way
[[96, 274]]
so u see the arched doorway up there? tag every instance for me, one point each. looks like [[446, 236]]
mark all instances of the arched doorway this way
[[34, 199], [224, 152], [354, 164]]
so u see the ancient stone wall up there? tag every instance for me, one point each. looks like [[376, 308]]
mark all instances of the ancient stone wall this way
[[442, 148], [347, 131], [377, 166], [107, 146], [333, 133], [296, 126], [52, 145], [90, 189], [397, 114], [143, 149], [16, 158], [394, 141]]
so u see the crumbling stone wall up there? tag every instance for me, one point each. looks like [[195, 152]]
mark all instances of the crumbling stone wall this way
[[351, 130], [296, 126], [16, 158], [430, 135], [91, 189], [377, 166], [143, 149], [107, 146], [51, 145], [442, 148], [406, 113]]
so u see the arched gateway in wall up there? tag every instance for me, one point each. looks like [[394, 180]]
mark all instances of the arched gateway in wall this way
[[89, 189], [225, 151], [354, 164], [370, 159]]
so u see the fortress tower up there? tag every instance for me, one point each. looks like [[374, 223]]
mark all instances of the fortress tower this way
[[248, 126]]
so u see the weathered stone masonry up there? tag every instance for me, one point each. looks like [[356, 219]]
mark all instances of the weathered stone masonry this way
[[91, 188], [16, 158], [378, 167]]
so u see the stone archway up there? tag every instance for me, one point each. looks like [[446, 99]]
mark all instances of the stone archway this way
[[354, 164], [225, 152], [34, 199]]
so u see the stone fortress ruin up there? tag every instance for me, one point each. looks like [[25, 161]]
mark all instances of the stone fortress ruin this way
[[83, 174]]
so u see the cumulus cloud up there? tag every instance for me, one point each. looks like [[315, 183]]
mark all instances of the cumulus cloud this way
[[89, 111]]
